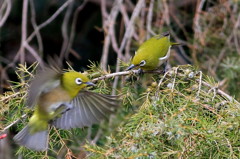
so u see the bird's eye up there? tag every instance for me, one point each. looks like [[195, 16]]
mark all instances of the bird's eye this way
[[78, 81], [142, 63]]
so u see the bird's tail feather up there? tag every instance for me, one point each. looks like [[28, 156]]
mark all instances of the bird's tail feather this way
[[36, 141]]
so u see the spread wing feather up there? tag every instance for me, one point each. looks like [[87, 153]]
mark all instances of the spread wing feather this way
[[88, 108], [45, 80]]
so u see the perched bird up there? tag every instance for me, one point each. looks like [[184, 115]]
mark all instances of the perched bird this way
[[152, 53], [59, 100]]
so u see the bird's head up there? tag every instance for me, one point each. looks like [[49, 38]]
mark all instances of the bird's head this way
[[136, 64], [73, 82]]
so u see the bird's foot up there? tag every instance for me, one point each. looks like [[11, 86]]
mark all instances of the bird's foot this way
[[140, 72], [63, 108], [167, 67], [67, 107]]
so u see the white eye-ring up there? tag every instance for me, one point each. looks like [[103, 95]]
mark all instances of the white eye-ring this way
[[78, 81], [142, 63]]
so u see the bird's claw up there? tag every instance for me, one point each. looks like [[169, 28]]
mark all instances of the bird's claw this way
[[166, 67], [140, 72]]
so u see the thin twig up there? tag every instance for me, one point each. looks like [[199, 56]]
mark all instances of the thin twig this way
[[149, 20], [64, 29], [129, 29], [34, 24], [199, 103], [34, 54], [97, 136], [174, 79], [127, 35], [14, 122], [200, 84], [49, 20], [223, 94], [123, 73], [109, 24], [74, 23], [236, 29], [10, 96], [166, 14], [197, 29], [36, 30], [24, 30], [159, 84], [222, 53], [7, 12], [126, 19], [89, 133], [69, 152], [106, 45]]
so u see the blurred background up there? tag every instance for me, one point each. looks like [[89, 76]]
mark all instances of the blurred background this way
[[110, 31], [105, 30]]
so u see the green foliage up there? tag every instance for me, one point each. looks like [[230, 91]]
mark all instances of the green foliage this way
[[62, 143], [183, 118], [231, 71], [180, 114]]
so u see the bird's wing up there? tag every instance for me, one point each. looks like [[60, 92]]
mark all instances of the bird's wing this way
[[88, 108], [45, 80], [164, 58]]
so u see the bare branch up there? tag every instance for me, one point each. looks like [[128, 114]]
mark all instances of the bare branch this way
[[220, 92], [14, 122], [73, 26], [34, 24], [123, 73], [49, 20], [128, 34], [64, 29], [110, 25], [8, 5], [197, 29], [129, 29], [34, 54], [24, 30], [149, 19]]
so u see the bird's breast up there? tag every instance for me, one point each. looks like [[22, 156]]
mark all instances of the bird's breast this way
[[53, 98]]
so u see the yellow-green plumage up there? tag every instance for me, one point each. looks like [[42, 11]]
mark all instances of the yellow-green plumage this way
[[70, 86], [58, 101], [43, 112], [153, 52]]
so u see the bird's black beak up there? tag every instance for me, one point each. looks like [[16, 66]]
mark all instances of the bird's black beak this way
[[90, 84], [131, 67], [167, 33]]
